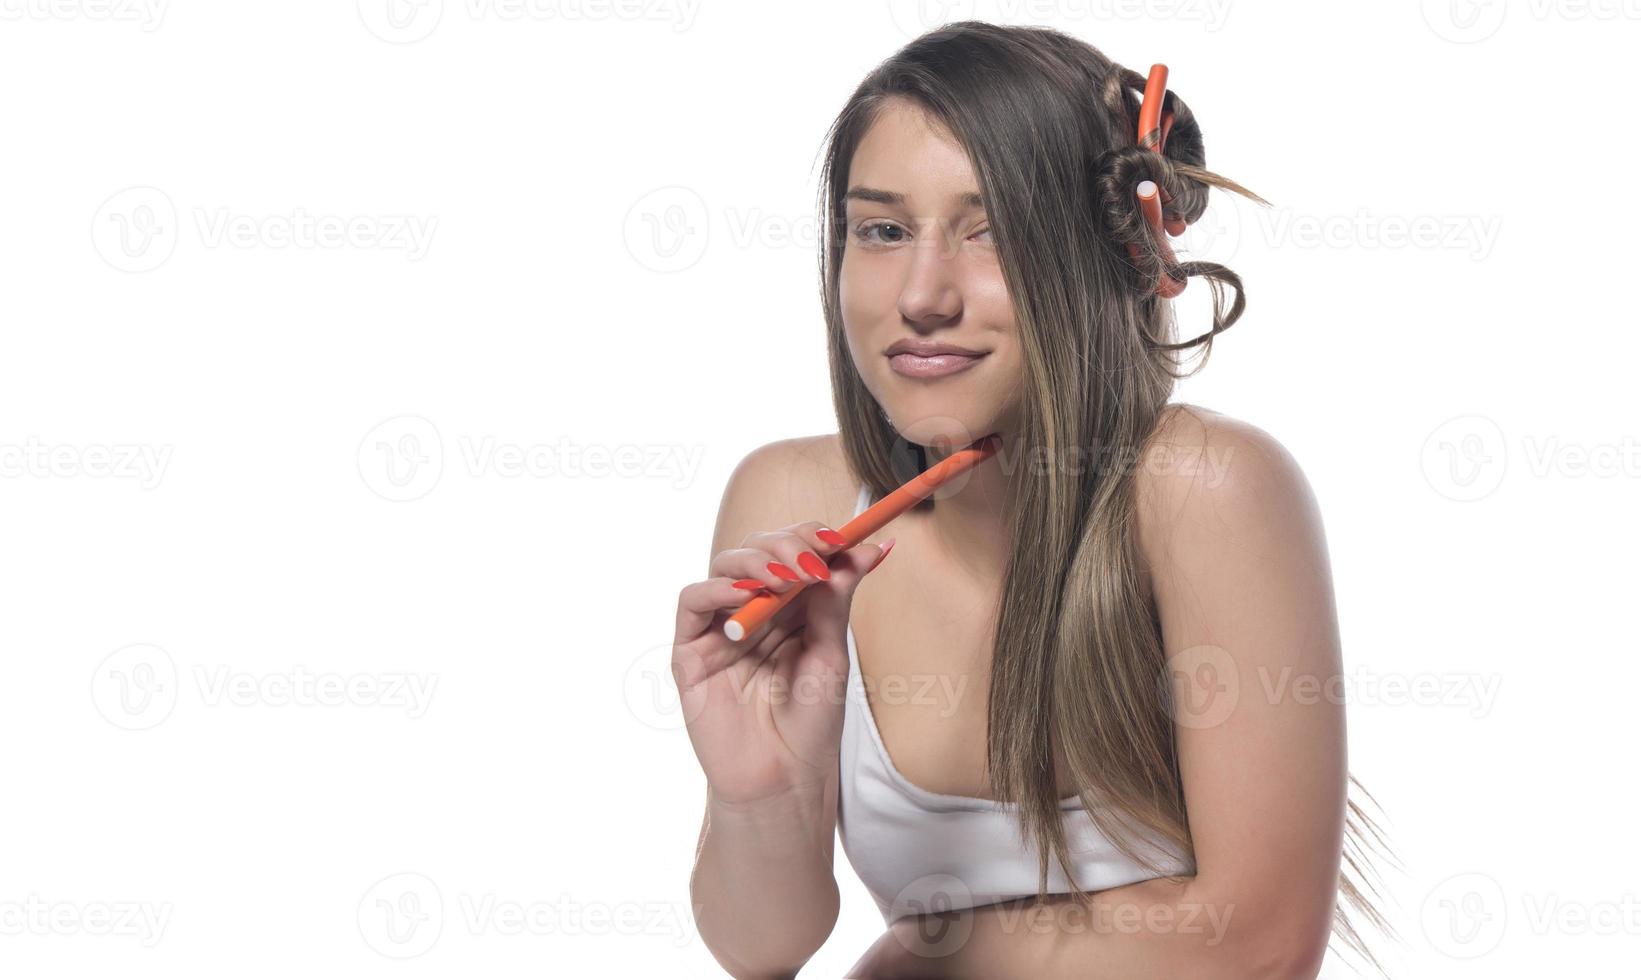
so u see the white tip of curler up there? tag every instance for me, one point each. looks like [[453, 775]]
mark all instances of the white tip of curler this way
[[1147, 188], [733, 630]]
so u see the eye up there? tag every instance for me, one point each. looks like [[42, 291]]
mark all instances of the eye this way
[[986, 232], [864, 233]]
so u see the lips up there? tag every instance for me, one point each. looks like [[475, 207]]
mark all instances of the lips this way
[[928, 348], [933, 366]]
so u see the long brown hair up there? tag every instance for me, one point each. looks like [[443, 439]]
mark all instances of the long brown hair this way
[[1049, 125]]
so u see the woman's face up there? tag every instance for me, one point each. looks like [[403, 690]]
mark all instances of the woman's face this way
[[920, 266]]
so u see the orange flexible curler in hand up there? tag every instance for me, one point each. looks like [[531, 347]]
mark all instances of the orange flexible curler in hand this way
[[758, 610]]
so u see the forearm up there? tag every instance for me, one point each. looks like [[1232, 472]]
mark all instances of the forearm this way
[[763, 890], [1153, 928]]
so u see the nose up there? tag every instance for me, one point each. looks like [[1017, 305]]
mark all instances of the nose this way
[[931, 294]]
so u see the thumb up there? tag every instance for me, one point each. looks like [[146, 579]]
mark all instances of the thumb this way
[[828, 613]]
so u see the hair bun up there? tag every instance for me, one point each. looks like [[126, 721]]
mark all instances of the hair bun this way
[[1174, 167], [1118, 173]]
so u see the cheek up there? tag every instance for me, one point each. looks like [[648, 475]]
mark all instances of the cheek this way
[[852, 282], [864, 300], [989, 300], [869, 285], [987, 294]]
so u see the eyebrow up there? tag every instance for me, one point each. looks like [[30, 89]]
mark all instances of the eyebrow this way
[[971, 199]]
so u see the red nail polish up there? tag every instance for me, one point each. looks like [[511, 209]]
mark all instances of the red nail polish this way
[[748, 583], [776, 568], [811, 563], [831, 537]]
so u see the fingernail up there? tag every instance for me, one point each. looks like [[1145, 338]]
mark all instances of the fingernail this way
[[886, 546], [811, 563], [831, 537], [748, 583], [776, 568]]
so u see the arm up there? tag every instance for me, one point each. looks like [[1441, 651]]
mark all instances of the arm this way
[[762, 888], [1240, 575]]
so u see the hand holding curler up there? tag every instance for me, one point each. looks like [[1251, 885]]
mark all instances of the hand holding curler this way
[[761, 607]]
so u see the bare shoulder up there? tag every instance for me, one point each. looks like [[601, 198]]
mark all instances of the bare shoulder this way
[[789, 481], [1207, 481]]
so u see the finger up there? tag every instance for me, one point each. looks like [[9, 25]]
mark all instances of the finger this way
[[712, 654], [796, 553], [821, 538], [700, 602], [754, 563], [829, 604]]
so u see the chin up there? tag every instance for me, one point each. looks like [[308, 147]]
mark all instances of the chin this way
[[940, 422]]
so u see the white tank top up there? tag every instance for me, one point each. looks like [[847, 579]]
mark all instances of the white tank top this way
[[918, 851]]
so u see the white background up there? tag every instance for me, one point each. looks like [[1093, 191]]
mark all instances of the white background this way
[[210, 408]]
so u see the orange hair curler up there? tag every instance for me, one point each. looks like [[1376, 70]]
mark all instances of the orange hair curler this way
[[1153, 135], [760, 608]]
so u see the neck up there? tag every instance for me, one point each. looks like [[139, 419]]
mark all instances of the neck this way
[[967, 526]]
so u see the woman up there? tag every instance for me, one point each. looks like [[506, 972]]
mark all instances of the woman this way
[[1096, 617]]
